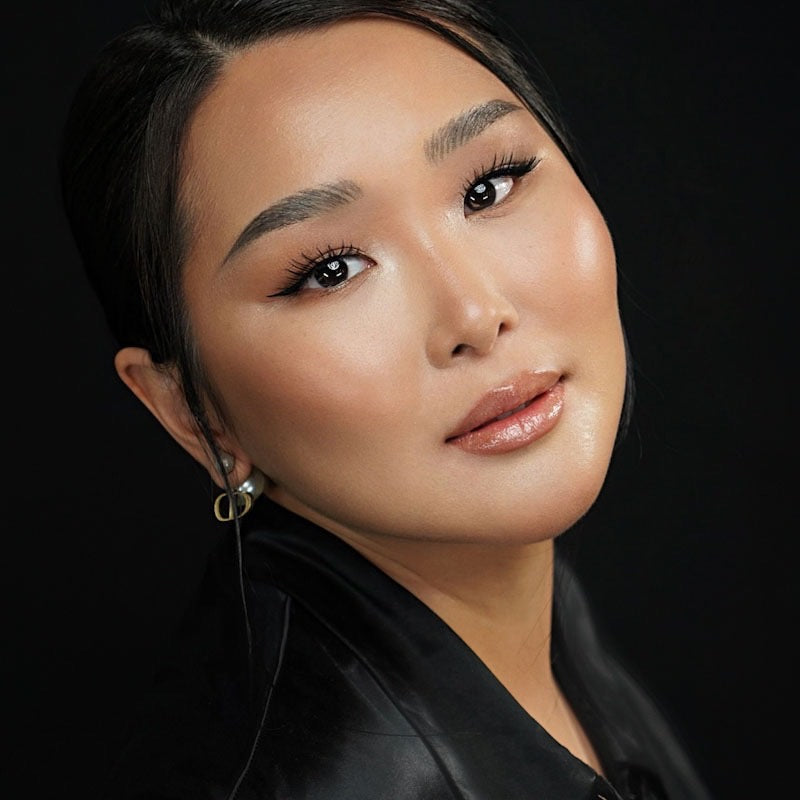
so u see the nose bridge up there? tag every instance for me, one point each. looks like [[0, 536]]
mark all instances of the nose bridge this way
[[470, 300]]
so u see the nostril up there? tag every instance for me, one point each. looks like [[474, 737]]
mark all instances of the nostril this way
[[459, 349]]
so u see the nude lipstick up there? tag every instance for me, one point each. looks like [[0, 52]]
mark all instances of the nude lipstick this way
[[512, 415]]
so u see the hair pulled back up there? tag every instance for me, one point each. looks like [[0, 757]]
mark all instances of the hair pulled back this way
[[121, 159], [121, 155]]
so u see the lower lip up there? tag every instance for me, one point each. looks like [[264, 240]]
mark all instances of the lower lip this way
[[519, 430]]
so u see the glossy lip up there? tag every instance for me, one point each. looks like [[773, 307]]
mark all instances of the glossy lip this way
[[532, 401]]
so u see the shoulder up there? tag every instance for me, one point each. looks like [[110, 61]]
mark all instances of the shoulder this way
[[299, 711], [193, 724]]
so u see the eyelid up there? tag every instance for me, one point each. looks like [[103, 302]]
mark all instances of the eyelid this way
[[301, 268], [501, 166]]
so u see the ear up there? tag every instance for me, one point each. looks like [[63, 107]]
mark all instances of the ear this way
[[160, 391]]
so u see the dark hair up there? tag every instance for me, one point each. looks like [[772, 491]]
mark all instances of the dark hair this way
[[120, 160], [121, 154]]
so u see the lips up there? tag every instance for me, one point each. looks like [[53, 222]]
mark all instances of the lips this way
[[512, 415]]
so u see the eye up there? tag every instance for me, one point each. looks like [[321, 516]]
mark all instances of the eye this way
[[487, 192], [325, 270], [492, 186], [334, 270]]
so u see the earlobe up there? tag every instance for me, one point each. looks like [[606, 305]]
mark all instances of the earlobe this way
[[158, 388]]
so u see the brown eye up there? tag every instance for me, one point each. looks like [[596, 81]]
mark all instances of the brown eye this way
[[335, 270], [487, 192], [480, 196], [331, 272]]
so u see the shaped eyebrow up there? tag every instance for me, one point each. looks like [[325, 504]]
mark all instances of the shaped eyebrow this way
[[317, 200], [295, 208], [459, 130]]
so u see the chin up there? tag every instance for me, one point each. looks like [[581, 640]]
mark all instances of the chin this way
[[534, 505], [519, 515]]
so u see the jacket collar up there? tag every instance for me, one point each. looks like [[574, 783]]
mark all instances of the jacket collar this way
[[445, 691]]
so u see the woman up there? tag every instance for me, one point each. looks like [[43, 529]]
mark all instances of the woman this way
[[352, 269]]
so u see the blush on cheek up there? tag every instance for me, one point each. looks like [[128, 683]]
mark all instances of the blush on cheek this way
[[326, 387], [593, 250], [586, 292], [576, 274]]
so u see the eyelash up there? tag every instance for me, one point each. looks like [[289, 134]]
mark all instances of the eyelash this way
[[501, 167], [301, 268]]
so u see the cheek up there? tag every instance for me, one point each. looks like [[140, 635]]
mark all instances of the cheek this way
[[594, 261], [565, 267], [589, 307], [589, 300], [332, 379], [569, 305]]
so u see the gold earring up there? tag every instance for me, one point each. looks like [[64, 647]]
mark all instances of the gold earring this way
[[243, 497]]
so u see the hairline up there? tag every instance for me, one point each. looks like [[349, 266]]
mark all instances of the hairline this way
[[187, 224]]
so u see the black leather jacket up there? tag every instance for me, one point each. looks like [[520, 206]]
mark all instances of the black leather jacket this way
[[360, 692]]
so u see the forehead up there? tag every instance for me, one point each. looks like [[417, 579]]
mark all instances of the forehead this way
[[303, 103]]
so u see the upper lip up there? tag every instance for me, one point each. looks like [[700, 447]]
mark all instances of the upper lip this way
[[504, 398]]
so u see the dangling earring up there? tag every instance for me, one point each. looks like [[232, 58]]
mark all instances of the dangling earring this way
[[243, 495]]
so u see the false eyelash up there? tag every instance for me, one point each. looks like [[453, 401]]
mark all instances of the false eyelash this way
[[502, 165], [300, 268]]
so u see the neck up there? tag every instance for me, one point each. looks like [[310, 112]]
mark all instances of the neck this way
[[499, 600], [496, 597]]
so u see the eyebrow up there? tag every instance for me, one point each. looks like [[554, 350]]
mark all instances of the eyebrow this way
[[312, 202], [296, 208], [459, 130]]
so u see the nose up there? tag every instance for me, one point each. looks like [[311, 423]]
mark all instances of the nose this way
[[471, 311]]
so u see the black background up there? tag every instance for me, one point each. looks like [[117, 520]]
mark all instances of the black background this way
[[683, 112]]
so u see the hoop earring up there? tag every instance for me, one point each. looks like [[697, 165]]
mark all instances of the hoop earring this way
[[243, 497]]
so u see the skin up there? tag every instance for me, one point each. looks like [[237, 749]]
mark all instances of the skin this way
[[345, 397]]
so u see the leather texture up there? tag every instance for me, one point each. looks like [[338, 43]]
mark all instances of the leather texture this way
[[358, 691]]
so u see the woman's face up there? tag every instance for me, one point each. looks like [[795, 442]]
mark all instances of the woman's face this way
[[388, 253]]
